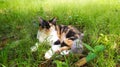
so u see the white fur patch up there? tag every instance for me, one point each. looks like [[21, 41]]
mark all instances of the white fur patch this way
[[41, 36], [51, 37], [51, 51]]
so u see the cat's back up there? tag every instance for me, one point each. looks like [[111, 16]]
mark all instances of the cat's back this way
[[68, 31]]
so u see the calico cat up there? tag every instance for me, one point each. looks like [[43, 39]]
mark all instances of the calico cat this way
[[63, 39]]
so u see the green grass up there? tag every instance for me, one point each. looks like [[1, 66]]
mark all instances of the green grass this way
[[98, 19]]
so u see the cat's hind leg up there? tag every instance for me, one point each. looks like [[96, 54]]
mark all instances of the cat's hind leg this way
[[64, 50]]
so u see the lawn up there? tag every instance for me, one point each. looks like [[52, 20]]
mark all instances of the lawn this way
[[99, 20]]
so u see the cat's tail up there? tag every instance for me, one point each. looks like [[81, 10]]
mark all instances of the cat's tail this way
[[81, 36]]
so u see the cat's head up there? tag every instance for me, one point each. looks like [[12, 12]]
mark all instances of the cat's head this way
[[47, 25]]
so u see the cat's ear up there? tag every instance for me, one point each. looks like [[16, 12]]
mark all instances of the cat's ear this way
[[53, 21]]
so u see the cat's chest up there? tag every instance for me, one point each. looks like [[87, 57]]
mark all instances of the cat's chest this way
[[51, 37]]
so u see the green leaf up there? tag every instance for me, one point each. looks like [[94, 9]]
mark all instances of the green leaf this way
[[88, 47], [99, 48], [90, 56]]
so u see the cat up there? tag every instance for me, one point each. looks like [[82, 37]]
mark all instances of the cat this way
[[63, 39]]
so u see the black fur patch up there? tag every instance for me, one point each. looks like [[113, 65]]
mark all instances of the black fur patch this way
[[45, 24], [63, 44], [65, 28], [57, 42], [70, 34]]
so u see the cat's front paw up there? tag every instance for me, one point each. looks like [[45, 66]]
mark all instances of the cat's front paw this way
[[35, 47], [47, 56], [51, 51]]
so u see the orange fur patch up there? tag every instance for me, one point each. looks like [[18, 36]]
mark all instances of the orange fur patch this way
[[68, 42]]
